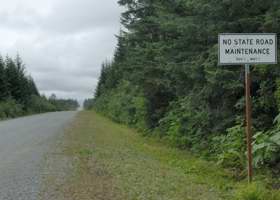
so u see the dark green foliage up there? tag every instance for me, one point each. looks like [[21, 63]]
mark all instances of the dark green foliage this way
[[40, 104], [230, 148], [10, 109], [266, 147], [166, 58], [88, 104], [4, 92], [126, 105], [19, 94], [64, 104]]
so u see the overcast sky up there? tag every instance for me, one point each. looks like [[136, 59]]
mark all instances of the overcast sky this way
[[62, 42]]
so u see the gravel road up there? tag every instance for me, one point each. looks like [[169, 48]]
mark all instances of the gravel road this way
[[23, 144]]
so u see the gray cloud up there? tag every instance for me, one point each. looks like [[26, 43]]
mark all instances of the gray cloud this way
[[62, 42], [88, 15]]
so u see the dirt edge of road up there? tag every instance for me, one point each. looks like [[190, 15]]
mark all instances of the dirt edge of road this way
[[70, 171]]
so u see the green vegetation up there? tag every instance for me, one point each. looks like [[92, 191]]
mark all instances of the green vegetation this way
[[88, 104], [19, 94], [63, 104], [105, 160], [255, 191], [164, 78]]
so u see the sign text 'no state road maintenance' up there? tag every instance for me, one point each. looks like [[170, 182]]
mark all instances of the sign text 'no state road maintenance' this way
[[237, 49]]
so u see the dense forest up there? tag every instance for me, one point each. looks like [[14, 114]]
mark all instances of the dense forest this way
[[19, 95], [164, 78]]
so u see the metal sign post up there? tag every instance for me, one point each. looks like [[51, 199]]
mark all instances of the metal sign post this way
[[249, 121], [245, 49]]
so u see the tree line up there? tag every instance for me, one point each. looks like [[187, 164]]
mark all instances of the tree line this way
[[165, 80], [19, 94]]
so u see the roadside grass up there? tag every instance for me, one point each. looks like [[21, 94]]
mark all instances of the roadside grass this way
[[112, 162]]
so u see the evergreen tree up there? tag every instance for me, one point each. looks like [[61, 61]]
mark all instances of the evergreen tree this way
[[13, 79], [19, 94], [4, 92], [165, 71]]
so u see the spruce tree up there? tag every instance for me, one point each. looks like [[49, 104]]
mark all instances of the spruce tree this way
[[4, 92]]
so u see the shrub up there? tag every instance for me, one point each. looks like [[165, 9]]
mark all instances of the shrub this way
[[186, 124], [255, 191], [88, 104], [230, 148], [266, 146], [10, 109], [2, 114], [126, 105], [38, 104]]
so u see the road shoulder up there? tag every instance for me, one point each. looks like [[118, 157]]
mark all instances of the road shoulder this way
[[98, 159]]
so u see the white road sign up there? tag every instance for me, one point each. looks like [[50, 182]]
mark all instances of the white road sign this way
[[237, 49]]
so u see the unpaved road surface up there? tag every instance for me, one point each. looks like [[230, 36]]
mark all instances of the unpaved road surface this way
[[23, 144]]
